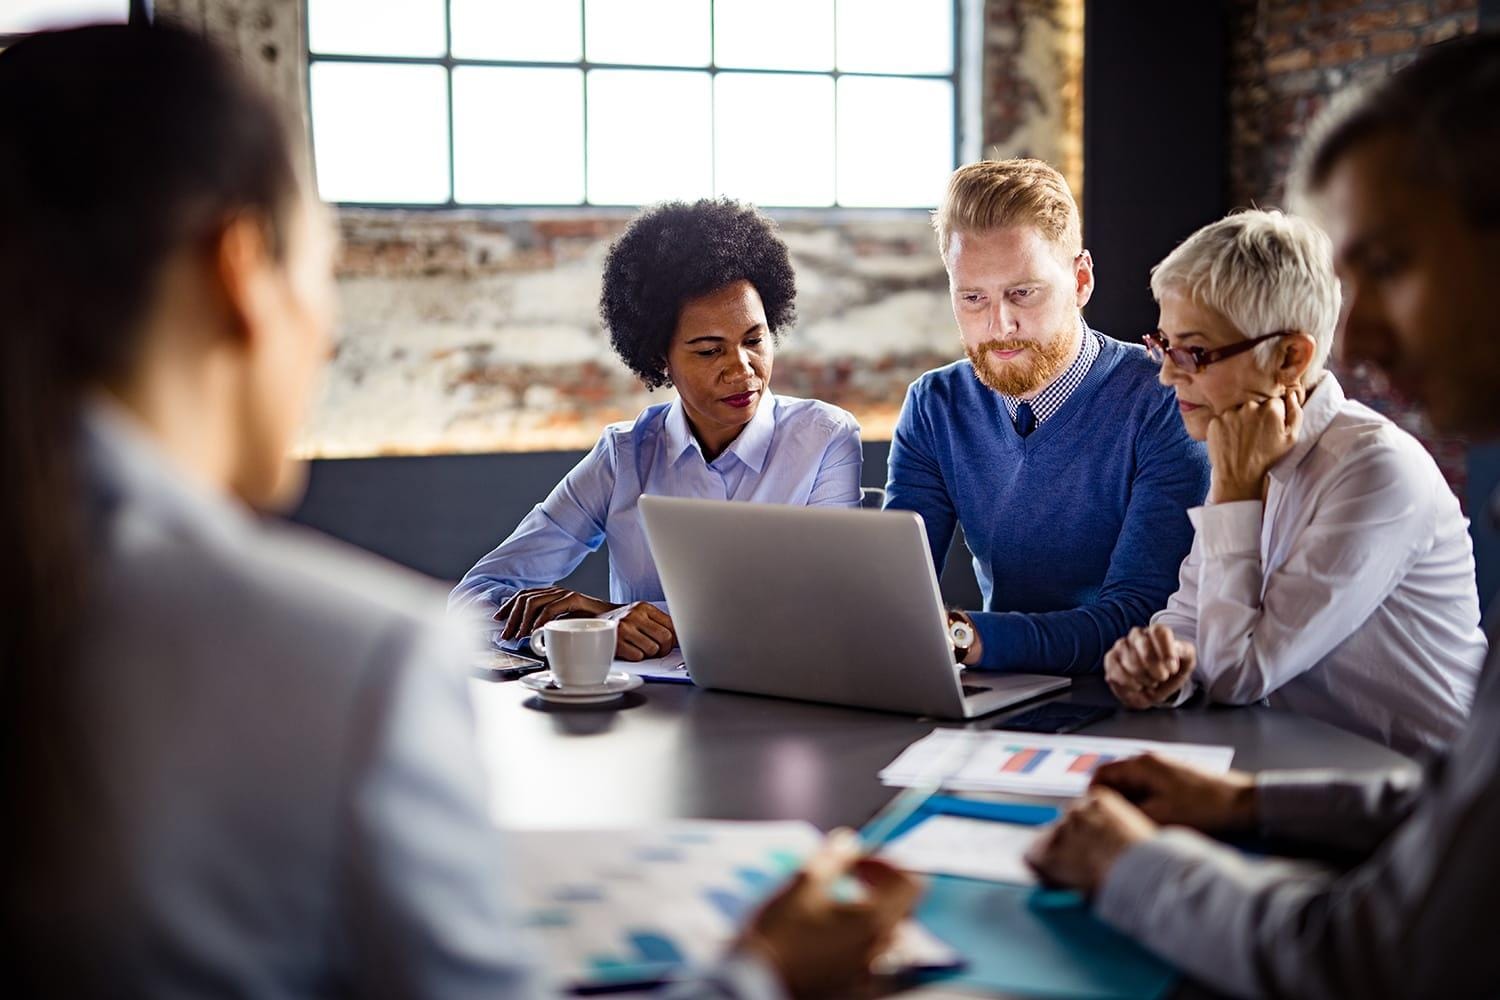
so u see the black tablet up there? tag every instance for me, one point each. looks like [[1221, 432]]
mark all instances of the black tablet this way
[[1055, 717]]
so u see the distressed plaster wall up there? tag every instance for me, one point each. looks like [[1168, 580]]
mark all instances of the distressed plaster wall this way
[[266, 35], [1033, 82], [478, 331]]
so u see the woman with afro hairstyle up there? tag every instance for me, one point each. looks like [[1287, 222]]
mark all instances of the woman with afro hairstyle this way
[[695, 297]]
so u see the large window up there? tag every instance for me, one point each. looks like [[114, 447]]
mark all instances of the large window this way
[[623, 102], [21, 17]]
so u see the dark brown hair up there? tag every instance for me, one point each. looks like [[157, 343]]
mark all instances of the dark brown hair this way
[[119, 147], [1446, 105], [676, 251]]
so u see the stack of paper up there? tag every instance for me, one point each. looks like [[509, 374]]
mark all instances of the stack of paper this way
[[1028, 764], [671, 668], [969, 848]]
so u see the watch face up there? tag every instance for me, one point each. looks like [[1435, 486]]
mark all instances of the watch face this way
[[961, 634]]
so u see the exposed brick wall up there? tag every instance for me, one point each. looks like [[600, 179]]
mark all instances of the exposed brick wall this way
[[1289, 55], [479, 331]]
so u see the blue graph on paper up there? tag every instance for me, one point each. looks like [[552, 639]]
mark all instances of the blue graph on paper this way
[[642, 905]]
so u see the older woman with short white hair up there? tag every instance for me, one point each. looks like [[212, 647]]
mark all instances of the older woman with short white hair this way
[[1331, 571]]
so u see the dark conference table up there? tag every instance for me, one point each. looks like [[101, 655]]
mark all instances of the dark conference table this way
[[672, 751]]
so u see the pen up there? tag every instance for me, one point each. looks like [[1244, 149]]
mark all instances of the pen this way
[[893, 815]]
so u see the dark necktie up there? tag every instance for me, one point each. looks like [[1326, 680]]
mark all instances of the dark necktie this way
[[1025, 419]]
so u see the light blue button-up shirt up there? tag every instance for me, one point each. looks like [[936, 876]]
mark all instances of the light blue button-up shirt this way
[[794, 451]]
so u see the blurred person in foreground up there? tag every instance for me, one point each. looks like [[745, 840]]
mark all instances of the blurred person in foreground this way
[[1406, 178], [238, 760]]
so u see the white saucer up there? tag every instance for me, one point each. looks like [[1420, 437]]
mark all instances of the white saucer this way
[[616, 684]]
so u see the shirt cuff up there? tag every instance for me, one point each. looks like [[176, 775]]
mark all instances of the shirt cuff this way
[[1292, 803], [1182, 697], [1228, 528], [1127, 900], [997, 636]]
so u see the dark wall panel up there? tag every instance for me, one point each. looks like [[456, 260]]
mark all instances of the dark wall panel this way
[[1484, 479], [439, 514], [435, 514], [1154, 143]]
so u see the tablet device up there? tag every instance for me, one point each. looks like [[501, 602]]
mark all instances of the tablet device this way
[[1055, 717]]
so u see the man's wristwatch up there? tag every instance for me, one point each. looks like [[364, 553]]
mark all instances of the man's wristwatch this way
[[960, 634]]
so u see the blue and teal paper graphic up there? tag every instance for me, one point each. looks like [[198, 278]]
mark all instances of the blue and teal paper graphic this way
[[643, 905], [1024, 941]]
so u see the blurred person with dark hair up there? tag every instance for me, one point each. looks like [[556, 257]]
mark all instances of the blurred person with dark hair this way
[[695, 297], [238, 759], [1406, 178]]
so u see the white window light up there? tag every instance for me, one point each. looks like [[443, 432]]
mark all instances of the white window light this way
[[811, 103]]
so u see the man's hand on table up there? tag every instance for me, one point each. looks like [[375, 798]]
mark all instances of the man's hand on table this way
[[1175, 794], [820, 945], [1149, 666], [1125, 804], [1079, 850], [645, 631]]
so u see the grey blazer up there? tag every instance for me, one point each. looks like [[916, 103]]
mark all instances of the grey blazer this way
[[1416, 918], [285, 798]]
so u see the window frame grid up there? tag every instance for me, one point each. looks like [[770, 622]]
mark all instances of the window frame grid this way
[[449, 63]]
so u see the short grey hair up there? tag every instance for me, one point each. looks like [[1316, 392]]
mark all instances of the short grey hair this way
[[1263, 271]]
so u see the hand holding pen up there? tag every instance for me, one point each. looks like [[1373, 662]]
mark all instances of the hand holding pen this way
[[820, 943]]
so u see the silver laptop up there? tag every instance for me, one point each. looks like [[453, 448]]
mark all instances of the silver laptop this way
[[819, 603]]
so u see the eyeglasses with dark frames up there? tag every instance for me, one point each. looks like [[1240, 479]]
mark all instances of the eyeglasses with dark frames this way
[[1195, 359]]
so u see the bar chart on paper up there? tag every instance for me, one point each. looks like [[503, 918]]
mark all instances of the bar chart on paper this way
[[1047, 760], [617, 907], [998, 761]]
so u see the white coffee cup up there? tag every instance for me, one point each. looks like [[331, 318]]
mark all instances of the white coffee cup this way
[[579, 650]]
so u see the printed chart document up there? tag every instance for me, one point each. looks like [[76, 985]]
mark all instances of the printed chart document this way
[[1031, 764], [671, 667], [969, 848], [637, 906]]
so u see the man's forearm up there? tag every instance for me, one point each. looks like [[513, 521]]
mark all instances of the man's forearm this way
[[1072, 641], [1340, 809], [1197, 904]]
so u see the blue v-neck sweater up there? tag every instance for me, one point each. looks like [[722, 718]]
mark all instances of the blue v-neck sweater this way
[[1079, 529]]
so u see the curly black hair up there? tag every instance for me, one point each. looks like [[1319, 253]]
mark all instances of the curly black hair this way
[[677, 251]]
